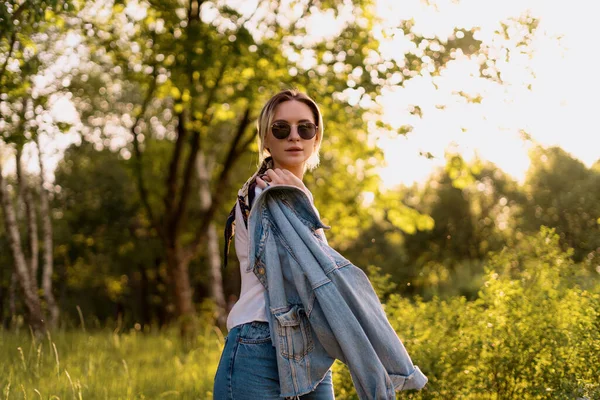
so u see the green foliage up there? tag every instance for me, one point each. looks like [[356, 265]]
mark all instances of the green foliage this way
[[28, 30], [563, 193], [382, 283], [431, 241], [99, 229], [432, 238], [532, 332], [15, 14], [215, 68]]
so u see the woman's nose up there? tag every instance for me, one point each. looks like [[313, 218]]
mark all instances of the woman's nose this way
[[294, 135]]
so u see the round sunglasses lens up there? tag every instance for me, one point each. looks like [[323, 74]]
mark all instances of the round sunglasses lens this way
[[307, 131], [280, 131]]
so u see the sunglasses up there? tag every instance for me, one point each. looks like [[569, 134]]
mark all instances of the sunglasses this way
[[282, 129]]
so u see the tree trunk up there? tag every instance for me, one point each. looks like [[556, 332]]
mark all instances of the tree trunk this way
[[12, 299], [26, 198], [48, 246], [144, 296], [213, 253], [216, 287], [28, 285], [178, 267], [3, 321], [32, 229], [161, 312]]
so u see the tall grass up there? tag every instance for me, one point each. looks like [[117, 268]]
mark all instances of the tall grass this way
[[532, 333], [108, 365]]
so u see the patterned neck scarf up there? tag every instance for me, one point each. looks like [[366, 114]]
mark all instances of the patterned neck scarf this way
[[245, 199]]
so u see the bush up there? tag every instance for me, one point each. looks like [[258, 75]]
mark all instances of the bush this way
[[533, 331]]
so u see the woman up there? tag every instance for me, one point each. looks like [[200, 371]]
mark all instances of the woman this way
[[290, 130]]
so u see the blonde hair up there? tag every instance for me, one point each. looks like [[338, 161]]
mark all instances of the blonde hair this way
[[266, 118]]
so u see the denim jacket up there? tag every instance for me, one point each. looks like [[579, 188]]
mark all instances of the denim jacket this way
[[320, 306]]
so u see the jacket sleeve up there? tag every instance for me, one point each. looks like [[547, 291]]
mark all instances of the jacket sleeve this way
[[359, 332]]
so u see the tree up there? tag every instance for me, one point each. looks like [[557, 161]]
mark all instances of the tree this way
[[564, 194], [195, 75], [204, 73], [25, 27]]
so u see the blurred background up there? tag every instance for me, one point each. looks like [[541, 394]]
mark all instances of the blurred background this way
[[460, 168]]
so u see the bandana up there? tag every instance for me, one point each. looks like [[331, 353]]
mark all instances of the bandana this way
[[244, 199]]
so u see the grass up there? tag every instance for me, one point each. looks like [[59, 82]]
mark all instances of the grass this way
[[108, 365]]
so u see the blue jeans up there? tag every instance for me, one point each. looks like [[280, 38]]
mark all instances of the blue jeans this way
[[248, 367]]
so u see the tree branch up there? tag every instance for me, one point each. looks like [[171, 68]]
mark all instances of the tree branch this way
[[195, 146], [13, 41], [194, 10], [19, 11], [222, 183], [247, 143], [139, 166], [15, 17], [187, 178], [173, 172]]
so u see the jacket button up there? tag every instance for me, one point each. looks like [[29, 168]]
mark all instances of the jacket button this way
[[261, 270]]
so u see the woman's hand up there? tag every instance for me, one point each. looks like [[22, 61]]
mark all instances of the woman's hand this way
[[279, 176]]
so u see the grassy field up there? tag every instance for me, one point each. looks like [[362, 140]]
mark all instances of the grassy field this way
[[532, 333], [108, 365]]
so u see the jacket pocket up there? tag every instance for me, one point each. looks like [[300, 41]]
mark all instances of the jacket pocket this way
[[294, 336]]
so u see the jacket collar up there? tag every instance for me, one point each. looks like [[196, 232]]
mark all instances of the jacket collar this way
[[292, 197]]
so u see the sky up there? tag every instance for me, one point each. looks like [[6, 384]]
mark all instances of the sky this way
[[559, 109]]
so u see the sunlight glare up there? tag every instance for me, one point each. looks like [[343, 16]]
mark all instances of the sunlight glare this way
[[542, 91]]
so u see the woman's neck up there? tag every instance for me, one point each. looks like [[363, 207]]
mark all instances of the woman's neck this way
[[296, 170]]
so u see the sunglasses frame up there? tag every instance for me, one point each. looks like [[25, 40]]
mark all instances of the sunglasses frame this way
[[316, 129]]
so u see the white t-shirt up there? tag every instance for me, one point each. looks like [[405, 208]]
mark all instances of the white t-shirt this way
[[251, 303]]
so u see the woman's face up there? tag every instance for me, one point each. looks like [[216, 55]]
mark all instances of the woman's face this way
[[285, 152]]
